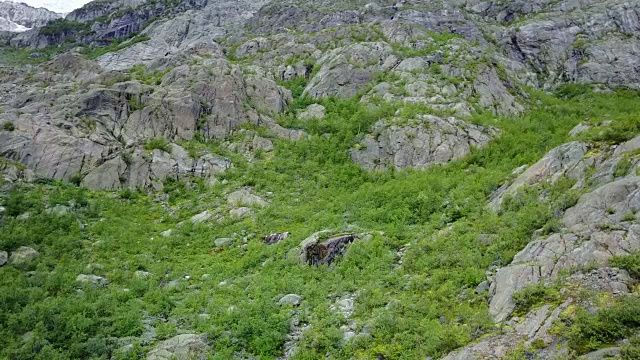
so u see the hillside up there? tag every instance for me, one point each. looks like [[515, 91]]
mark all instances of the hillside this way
[[285, 179]]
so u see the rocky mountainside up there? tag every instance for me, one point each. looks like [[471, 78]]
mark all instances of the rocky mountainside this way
[[280, 179], [19, 17]]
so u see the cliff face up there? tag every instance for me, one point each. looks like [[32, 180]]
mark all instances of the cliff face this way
[[24, 16], [428, 111]]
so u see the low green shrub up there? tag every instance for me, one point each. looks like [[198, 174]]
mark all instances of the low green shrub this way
[[630, 262], [157, 143], [531, 296], [607, 326], [8, 126]]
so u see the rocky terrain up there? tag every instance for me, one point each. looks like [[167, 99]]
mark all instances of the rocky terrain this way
[[19, 17], [283, 179]]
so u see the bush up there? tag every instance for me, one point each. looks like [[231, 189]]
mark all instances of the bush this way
[[8, 126], [609, 325], [532, 295], [630, 262], [158, 143], [622, 168], [631, 351], [63, 27], [570, 91]]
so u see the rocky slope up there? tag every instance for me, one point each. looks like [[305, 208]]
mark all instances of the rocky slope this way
[[24, 16], [234, 97]]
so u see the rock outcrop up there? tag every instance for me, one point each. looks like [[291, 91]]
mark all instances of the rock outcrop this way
[[418, 143], [181, 347], [25, 16], [594, 230], [23, 256], [316, 251]]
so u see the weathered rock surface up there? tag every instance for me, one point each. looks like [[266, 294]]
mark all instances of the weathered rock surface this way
[[290, 299], [594, 230], [346, 70], [92, 279], [314, 111], [244, 197], [419, 143], [25, 15], [561, 161], [181, 347], [23, 255]]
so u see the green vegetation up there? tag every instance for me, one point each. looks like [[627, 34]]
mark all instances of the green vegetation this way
[[8, 126], [533, 295], [148, 77], [157, 143], [94, 52], [608, 325], [426, 307], [630, 262], [64, 27]]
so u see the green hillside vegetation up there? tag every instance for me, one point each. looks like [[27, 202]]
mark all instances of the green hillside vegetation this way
[[426, 307]]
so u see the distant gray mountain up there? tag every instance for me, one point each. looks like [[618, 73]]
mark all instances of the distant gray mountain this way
[[18, 17]]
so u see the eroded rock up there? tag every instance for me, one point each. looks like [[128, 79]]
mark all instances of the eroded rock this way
[[23, 255], [418, 143], [181, 347]]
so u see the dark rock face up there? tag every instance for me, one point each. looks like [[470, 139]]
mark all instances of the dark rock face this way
[[275, 238], [326, 252]]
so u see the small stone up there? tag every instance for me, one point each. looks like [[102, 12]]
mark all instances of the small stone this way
[[2, 212], [141, 274], [223, 242], [313, 111], [24, 217], [241, 213], [93, 279], [291, 299], [348, 335], [166, 233], [58, 210], [482, 287]]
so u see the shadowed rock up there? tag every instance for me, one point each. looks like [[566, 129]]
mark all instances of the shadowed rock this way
[[276, 238], [326, 252]]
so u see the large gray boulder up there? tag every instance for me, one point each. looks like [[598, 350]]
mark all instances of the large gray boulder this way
[[23, 255], [244, 197], [181, 347], [419, 143]]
